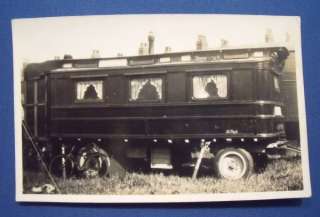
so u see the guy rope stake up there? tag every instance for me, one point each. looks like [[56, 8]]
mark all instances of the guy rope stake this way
[[204, 147]]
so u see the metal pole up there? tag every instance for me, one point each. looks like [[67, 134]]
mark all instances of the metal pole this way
[[63, 162], [40, 157], [204, 147]]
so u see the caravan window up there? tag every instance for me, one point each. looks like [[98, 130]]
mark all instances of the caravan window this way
[[89, 90], [146, 89], [210, 86]]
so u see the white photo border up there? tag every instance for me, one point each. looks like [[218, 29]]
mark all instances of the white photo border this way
[[80, 198]]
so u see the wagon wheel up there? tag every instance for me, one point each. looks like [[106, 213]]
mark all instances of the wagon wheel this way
[[95, 164], [58, 164], [233, 163], [92, 161]]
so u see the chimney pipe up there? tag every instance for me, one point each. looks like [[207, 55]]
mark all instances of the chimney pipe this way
[[151, 43]]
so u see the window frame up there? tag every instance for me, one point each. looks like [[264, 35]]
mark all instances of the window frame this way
[[146, 76], [208, 73], [93, 79]]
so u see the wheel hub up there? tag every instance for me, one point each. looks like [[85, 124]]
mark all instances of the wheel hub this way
[[232, 166]]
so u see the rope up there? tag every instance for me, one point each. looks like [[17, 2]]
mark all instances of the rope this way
[[40, 157]]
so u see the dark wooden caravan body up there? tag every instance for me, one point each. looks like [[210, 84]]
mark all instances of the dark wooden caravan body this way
[[244, 110]]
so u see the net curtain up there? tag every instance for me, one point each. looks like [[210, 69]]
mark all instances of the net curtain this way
[[200, 83], [82, 87], [137, 85]]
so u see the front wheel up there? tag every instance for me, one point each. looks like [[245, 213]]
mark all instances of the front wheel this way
[[233, 163]]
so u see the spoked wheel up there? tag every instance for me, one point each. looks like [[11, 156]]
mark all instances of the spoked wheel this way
[[60, 165], [233, 163], [92, 161]]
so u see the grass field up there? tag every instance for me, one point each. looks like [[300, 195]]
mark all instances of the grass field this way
[[279, 175]]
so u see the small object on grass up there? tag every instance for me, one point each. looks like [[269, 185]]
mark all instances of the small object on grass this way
[[36, 189], [46, 188]]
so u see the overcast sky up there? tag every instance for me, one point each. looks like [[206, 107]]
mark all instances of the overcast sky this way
[[40, 39]]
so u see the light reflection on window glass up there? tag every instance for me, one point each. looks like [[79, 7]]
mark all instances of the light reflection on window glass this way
[[276, 83]]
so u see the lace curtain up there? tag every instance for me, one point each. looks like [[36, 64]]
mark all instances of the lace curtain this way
[[146, 89], [209, 86], [89, 90]]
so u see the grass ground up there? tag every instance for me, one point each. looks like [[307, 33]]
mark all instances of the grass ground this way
[[279, 175]]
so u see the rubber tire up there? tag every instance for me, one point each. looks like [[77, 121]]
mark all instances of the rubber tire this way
[[245, 155]]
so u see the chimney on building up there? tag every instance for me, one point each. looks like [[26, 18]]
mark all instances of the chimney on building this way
[[140, 50], [223, 43], [167, 49], [95, 54], [269, 36], [151, 43], [202, 43], [143, 49]]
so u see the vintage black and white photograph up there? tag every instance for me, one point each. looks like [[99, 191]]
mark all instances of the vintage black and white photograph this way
[[159, 108]]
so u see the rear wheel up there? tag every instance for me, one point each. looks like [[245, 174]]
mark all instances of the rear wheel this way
[[233, 163]]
